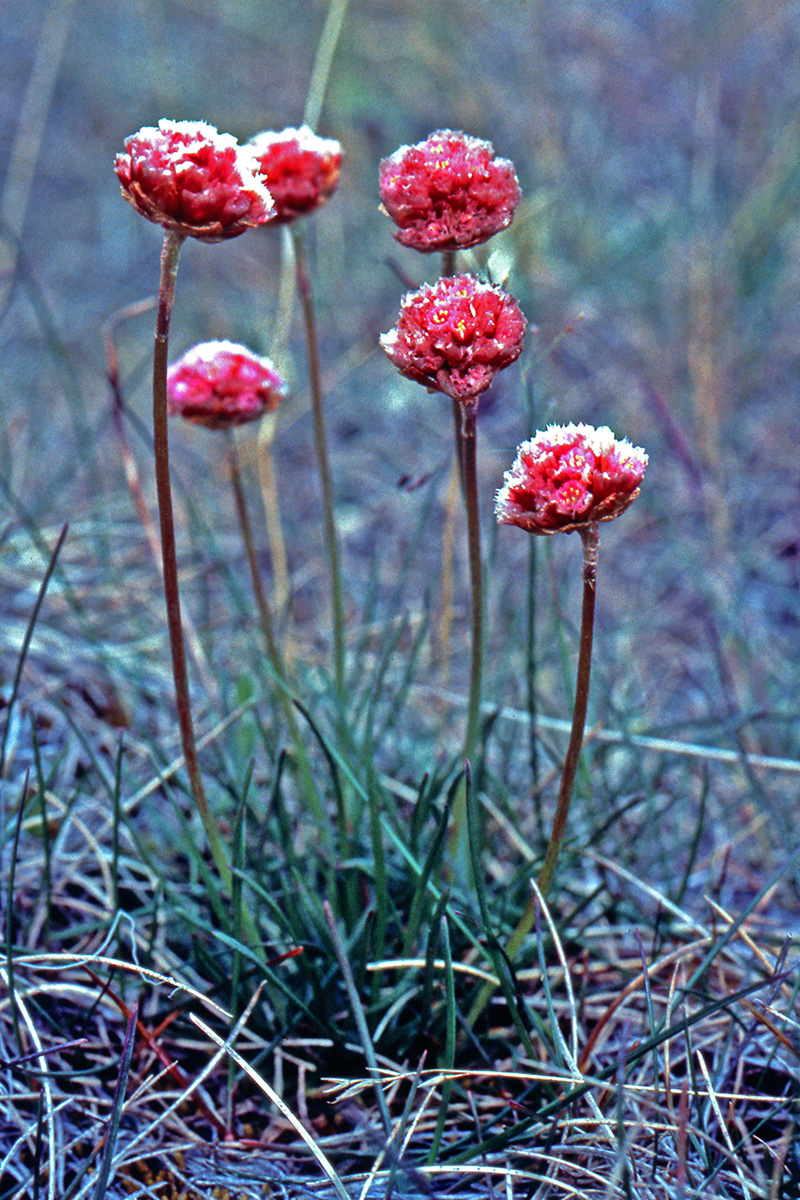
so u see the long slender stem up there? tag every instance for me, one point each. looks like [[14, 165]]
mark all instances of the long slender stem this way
[[166, 294], [255, 575], [269, 494], [326, 49], [589, 536], [469, 442], [133, 481], [321, 444], [273, 650], [459, 856]]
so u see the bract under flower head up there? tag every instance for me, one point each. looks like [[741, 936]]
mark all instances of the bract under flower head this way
[[192, 180], [300, 169], [568, 477], [448, 192], [455, 335], [221, 384]]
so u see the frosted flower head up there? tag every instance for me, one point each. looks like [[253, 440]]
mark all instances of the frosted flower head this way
[[455, 335], [191, 179], [300, 169], [221, 384], [568, 477], [448, 192]]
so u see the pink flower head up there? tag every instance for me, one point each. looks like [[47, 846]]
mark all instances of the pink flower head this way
[[194, 181], [220, 384], [455, 335], [300, 169], [448, 192], [569, 477]]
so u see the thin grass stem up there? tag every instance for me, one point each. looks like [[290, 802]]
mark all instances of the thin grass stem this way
[[449, 1057], [26, 642], [358, 1016], [9, 922], [272, 516], [326, 49], [246, 530], [47, 850], [115, 824], [117, 1105], [321, 445]]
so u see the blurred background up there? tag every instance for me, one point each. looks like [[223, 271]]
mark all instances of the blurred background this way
[[655, 253]]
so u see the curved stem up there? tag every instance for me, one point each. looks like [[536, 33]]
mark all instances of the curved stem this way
[[589, 536], [321, 444], [166, 294]]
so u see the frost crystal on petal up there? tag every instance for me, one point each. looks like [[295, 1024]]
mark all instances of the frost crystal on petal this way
[[192, 180], [449, 192], [300, 169], [569, 476], [455, 335]]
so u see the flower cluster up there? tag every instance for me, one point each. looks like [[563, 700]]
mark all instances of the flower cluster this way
[[221, 384], [448, 192], [569, 477], [300, 169], [455, 335], [192, 180]]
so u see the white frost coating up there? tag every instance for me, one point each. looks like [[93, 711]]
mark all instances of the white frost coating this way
[[303, 135], [208, 352]]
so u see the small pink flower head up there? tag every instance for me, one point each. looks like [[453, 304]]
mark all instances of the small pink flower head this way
[[448, 192], [300, 169], [220, 384], [455, 335], [569, 477], [194, 181]]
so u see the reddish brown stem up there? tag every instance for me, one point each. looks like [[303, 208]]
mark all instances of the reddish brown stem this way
[[589, 536], [459, 849], [166, 294], [469, 413]]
